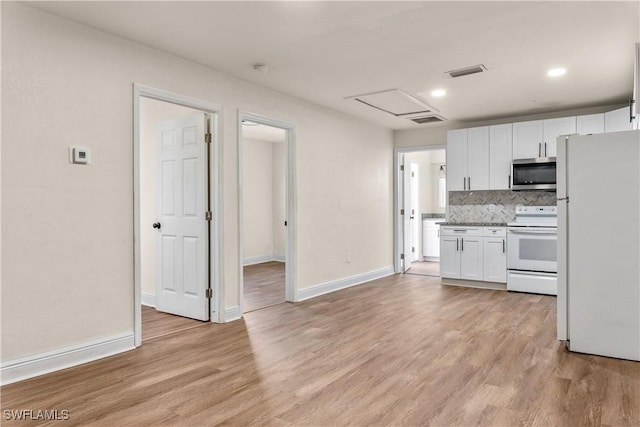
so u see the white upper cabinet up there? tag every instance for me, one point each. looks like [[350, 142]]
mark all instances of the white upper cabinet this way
[[478, 158], [553, 128], [617, 120], [457, 160], [500, 155], [527, 139], [468, 159], [591, 123], [537, 138]]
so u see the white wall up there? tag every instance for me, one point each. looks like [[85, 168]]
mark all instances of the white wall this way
[[68, 230], [151, 113], [264, 200], [258, 198]]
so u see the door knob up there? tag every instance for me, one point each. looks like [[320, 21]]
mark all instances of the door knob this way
[[156, 225]]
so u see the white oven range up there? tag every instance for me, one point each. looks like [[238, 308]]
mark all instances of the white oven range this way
[[532, 250]]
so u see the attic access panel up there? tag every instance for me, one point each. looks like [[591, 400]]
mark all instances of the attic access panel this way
[[395, 102]]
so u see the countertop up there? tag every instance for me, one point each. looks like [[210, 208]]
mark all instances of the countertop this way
[[432, 216], [475, 224]]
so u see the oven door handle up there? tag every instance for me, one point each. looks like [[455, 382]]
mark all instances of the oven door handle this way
[[532, 231]]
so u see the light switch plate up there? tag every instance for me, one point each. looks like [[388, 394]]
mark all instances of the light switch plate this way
[[80, 155]]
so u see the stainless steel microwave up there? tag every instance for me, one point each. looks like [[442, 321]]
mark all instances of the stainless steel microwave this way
[[534, 174]]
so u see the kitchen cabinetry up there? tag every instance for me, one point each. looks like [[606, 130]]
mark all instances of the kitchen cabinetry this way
[[500, 155], [468, 159], [461, 252], [617, 120], [591, 123], [431, 239], [494, 254], [473, 253], [537, 138]]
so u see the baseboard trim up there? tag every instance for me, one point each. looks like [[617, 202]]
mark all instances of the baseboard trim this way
[[474, 284], [347, 282], [279, 258], [44, 363], [232, 313], [148, 300], [256, 259]]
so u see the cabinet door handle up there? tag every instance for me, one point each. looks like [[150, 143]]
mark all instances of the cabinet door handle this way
[[539, 149], [438, 232], [457, 244], [469, 180], [503, 246], [462, 244], [509, 180], [464, 180], [545, 149]]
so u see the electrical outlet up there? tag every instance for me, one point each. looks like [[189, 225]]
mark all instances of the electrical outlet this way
[[492, 208], [348, 257]]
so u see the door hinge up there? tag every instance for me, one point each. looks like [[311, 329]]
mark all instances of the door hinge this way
[[413, 175], [401, 256], [209, 293], [401, 167], [413, 249], [208, 215], [207, 138], [401, 211]]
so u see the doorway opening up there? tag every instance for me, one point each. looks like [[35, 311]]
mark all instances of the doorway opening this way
[[175, 213], [266, 211], [421, 202]]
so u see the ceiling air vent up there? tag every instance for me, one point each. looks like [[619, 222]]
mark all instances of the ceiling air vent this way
[[466, 71], [427, 119]]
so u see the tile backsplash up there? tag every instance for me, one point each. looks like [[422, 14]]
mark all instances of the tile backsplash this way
[[493, 205]]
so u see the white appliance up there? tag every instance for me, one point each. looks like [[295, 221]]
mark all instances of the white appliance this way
[[599, 267], [532, 250], [431, 239]]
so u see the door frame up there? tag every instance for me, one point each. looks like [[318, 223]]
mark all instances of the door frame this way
[[290, 200], [397, 218], [215, 197]]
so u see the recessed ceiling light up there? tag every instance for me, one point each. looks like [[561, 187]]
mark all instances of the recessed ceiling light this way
[[438, 92], [556, 72]]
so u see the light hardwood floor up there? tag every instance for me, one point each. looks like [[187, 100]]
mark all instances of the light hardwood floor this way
[[425, 268], [401, 351], [157, 324], [263, 285]]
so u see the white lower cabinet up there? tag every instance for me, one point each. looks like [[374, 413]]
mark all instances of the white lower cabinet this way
[[461, 252], [495, 255], [449, 255], [473, 253]]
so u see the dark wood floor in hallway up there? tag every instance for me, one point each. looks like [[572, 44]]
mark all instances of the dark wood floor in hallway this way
[[263, 285], [399, 351]]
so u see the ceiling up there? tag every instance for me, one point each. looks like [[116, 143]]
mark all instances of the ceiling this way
[[327, 51]]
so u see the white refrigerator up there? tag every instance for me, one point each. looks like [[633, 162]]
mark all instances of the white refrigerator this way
[[598, 189]]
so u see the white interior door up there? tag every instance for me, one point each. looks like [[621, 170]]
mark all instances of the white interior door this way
[[415, 213], [407, 232], [183, 228]]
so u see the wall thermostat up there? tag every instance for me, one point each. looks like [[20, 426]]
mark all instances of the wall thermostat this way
[[80, 155]]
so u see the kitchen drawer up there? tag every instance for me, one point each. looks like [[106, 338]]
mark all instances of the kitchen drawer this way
[[450, 230], [495, 232]]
